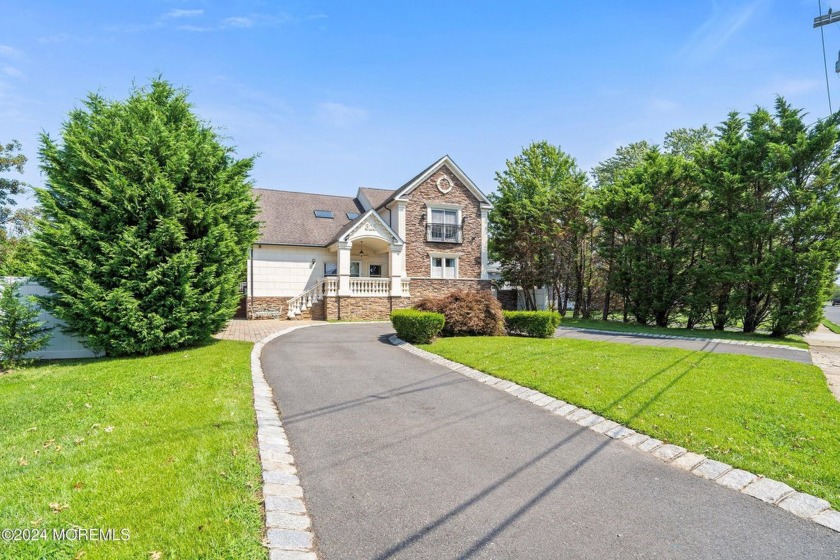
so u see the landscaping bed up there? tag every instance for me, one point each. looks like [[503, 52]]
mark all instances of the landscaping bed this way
[[163, 446], [620, 326], [771, 417]]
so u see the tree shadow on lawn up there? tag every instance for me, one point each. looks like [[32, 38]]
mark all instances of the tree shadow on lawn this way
[[546, 490]]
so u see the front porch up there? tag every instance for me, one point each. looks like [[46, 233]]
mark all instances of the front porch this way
[[361, 287]]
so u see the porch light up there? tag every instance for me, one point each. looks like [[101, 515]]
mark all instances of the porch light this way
[[361, 248], [312, 263]]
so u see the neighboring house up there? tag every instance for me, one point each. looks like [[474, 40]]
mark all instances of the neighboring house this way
[[512, 298], [335, 257]]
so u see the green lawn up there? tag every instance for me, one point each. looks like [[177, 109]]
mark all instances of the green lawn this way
[[833, 327], [163, 446], [620, 326], [771, 417]]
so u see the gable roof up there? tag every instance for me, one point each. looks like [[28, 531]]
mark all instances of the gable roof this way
[[370, 215], [289, 217], [376, 196], [415, 181]]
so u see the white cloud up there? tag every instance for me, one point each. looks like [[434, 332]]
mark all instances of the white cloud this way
[[52, 39], [180, 13], [11, 71], [717, 30], [238, 21], [10, 52], [339, 115], [196, 28]]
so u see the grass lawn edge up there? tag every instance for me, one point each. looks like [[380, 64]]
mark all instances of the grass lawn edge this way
[[801, 485]]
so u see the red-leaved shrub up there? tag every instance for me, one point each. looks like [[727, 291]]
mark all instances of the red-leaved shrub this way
[[467, 313]]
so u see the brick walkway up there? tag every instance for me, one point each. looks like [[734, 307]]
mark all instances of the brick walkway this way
[[253, 331]]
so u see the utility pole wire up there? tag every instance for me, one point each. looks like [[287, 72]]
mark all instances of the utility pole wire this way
[[825, 62]]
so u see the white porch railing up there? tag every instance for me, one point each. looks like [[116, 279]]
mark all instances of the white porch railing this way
[[370, 286], [304, 301], [329, 287]]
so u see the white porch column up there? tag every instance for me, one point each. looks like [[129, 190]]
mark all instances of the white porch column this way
[[484, 213], [396, 273], [343, 263], [400, 229]]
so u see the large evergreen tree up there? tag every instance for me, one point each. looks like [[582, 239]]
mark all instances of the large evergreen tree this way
[[808, 247], [649, 220], [148, 218]]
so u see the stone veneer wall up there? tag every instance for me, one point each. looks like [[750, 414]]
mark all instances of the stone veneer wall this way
[[367, 308], [436, 287], [417, 259], [280, 305], [363, 308], [508, 298], [256, 304]]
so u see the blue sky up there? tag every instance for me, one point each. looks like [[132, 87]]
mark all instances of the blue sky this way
[[337, 95]]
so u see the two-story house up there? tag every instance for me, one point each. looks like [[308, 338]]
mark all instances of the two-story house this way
[[335, 257]]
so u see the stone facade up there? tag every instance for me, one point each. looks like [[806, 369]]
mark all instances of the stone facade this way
[[508, 298], [259, 307], [417, 259], [436, 287], [363, 308]]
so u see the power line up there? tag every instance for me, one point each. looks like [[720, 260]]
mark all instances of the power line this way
[[821, 22]]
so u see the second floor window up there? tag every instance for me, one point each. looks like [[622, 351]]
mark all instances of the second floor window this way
[[444, 226]]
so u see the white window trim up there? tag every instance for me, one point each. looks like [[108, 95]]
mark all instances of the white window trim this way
[[459, 216], [444, 256], [443, 206]]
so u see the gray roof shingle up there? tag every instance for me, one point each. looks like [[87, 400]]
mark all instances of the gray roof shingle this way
[[376, 196], [289, 217]]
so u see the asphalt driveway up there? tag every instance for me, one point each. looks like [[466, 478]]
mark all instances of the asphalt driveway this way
[[402, 458]]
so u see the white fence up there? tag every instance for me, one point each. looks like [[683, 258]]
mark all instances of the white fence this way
[[61, 346]]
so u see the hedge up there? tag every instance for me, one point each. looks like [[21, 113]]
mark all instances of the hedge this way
[[418, 327], [537, 324]]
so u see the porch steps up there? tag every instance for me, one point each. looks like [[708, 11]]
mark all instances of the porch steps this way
[[315, 313]]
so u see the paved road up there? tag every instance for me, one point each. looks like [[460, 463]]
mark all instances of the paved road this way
[[402, 458], [832, 313], [697, 344]]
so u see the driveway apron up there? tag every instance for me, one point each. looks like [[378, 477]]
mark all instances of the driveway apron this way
[[403, 458]]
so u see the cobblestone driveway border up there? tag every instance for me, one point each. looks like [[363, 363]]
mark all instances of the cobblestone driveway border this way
[[767, 490], [288, 526]]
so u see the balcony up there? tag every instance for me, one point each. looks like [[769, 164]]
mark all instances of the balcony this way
[[443, 233]]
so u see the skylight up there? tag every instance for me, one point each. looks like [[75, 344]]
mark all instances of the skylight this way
[[352, 215], [324, 214]]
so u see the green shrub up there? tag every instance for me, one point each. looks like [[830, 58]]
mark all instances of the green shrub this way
[[538, 324], [418, 327], [467, 313], [20, 330]]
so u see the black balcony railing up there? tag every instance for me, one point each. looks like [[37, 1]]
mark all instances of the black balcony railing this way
[[443, 233]]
